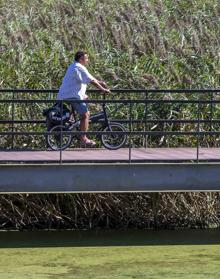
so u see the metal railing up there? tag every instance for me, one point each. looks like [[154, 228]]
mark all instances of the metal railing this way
[[151, 118]]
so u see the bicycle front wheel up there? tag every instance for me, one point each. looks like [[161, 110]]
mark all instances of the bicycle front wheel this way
[[114, 141], [58, 140]]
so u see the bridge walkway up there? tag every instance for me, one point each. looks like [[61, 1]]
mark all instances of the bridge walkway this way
[[113, 156]]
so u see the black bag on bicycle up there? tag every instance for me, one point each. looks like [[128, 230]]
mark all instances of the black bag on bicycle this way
[[56, 115]]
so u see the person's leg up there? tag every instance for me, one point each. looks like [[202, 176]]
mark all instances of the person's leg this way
[[84, 125], [82, 109]]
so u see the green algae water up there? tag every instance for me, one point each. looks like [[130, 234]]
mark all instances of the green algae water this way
[[110, 254]]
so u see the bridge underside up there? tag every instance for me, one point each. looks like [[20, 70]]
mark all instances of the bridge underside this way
[[106, 177]]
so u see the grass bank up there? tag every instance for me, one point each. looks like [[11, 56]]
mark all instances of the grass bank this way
[[110, 254]]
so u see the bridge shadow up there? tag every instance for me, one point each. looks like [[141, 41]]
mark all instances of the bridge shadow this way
[[27, 239]]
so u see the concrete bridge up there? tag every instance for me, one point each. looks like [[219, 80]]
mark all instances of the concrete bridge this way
[[150, 170], [129, 169]]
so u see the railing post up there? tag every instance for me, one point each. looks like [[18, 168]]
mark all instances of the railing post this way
[[145, 118], [130, 122], [13, 118], [198, 131], [212, 98], [61, 132], [211, 112]]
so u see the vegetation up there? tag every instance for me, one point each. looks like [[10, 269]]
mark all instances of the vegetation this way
[[132, 44], [88, 211]]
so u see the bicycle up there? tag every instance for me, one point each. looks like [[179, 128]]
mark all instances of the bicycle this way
[[57, 140]]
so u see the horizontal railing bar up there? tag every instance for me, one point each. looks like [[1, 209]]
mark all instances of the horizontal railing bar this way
[[176, 121], [29, 90], [141, 90], [142, 101], [213, 121], [22, 121], [201, 133]]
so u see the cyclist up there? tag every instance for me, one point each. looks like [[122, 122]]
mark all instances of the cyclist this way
[[74, 88]]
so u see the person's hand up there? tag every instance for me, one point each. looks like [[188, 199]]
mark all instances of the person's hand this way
[[106, 90], [103, 84]]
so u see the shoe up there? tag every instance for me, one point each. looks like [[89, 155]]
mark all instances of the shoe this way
[[88, 142]]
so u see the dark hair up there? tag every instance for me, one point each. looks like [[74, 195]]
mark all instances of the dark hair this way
[[79, 54]]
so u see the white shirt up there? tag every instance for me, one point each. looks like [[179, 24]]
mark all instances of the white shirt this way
[[75, 82]]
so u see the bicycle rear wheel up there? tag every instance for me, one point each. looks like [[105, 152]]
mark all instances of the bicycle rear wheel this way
[[114, 141], [57, 140]]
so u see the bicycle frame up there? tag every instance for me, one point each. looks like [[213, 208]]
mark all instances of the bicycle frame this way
[[94, 118], [100, 116]]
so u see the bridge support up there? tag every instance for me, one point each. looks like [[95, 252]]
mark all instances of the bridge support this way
[[75, 178]]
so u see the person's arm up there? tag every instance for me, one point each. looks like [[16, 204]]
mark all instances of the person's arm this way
[[100, 85], [103, 84], [86, 77]]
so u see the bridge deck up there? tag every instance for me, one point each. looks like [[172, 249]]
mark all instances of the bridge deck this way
[[121, 155]]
